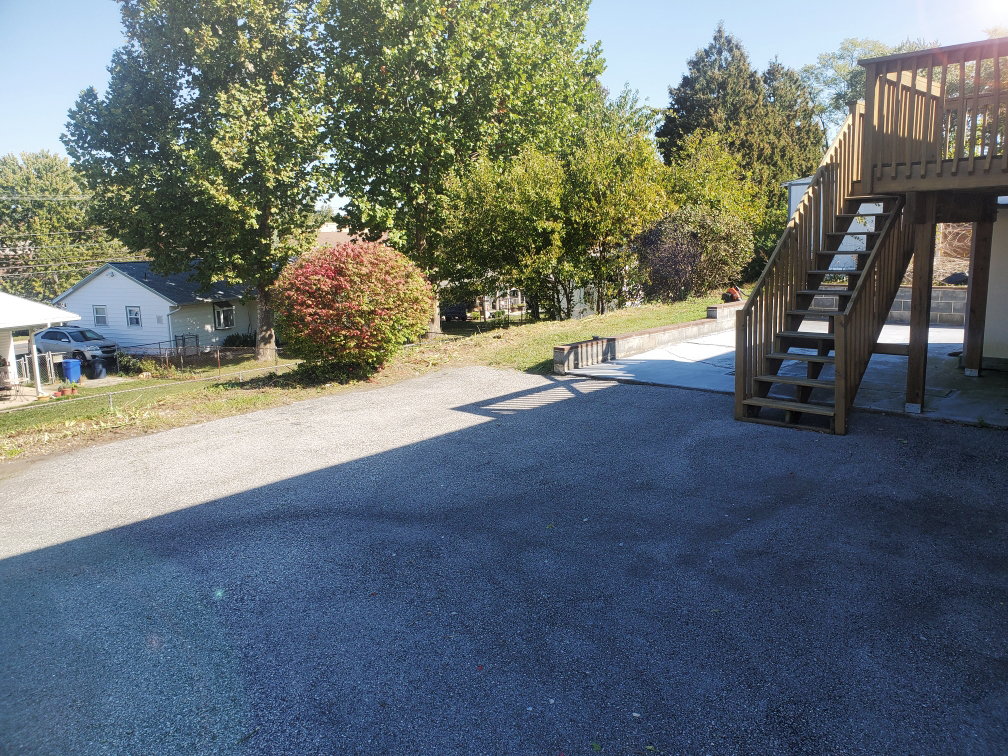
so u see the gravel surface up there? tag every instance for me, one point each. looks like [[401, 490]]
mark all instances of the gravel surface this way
[[488, 562]]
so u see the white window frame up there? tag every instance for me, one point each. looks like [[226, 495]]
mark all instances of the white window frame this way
[[103, 316], [139, 319], [219, 309]]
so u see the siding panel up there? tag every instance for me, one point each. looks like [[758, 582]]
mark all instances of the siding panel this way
[[117, 292]]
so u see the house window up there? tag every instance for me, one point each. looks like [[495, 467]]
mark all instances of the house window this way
[[223, 315], [133, 317], [100, 315]]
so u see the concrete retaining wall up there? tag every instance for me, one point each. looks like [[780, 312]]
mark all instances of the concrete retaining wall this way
[[584, 353]]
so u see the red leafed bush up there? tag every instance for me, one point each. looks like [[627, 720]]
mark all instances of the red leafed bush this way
[[353, 305]]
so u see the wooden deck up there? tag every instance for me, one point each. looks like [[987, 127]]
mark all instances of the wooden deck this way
[[935, 120], [928, 146]]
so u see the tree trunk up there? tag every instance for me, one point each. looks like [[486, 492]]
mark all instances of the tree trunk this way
[[420, 247], [533, 307], [434, 327], [265, 336]]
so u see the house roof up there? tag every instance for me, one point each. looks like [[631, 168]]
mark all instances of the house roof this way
[[177, 288], [17, 312]]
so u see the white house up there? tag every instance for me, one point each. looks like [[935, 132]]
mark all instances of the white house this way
[[144, 311]]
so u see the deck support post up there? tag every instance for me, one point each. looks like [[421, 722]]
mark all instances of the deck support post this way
[[976, 296], [920, 300]]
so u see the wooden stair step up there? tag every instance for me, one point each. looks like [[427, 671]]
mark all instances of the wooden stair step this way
[[826, 359], [845, 251], [794, 380], [867, 214], [837, 272], [870, 197], [828, 292], [842, 234], [806, 335], [830, 313], [782, 404]]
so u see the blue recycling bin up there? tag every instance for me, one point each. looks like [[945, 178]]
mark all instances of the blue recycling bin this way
[[71, 370]]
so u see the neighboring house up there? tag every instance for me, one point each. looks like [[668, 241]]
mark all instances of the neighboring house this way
[[145, 311], [795, 192]]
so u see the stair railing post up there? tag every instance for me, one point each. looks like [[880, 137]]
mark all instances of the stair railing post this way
[[741, 359], [840, 369]]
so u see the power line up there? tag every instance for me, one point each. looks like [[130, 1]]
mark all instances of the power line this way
[[46, 264], [56, 246], [58, 267], [50, 233], [45, 273], [45, 198]]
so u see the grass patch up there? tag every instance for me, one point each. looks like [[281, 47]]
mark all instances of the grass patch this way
[[530, 347], [159, 405]]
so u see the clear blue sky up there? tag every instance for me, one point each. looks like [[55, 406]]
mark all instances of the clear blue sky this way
[[52, 49]]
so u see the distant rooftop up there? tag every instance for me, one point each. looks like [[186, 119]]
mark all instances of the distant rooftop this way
[[181, 288], [178, 288]]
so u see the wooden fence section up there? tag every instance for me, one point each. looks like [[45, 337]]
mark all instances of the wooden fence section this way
[[936, 119], [786, 273]]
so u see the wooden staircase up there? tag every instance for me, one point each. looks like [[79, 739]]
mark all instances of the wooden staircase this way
[[799, 364]]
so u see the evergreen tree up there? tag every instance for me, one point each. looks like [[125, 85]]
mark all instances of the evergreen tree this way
[[767, 121]]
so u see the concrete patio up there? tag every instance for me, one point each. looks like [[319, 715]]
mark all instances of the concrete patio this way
[[708, 363]]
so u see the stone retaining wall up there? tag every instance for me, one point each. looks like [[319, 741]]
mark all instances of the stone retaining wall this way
[[594, 351]]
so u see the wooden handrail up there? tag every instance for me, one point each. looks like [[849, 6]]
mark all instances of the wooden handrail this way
[[857, 329]]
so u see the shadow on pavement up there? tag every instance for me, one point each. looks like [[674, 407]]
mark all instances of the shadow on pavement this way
[[619, 566]]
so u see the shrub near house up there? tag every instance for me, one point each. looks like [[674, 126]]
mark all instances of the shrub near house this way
[[352, 305]]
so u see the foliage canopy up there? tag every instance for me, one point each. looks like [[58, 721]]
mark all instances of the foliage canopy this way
[[207, 149], [551, 223], [47, 241], [419, 90], [836, 79]]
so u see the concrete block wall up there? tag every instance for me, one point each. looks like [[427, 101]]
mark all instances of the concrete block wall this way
[[948, 305]]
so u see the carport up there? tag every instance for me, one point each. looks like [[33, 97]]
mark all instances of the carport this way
[[18, 314]]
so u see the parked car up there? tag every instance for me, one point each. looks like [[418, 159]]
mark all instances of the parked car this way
[[78, 343], [455, 311]]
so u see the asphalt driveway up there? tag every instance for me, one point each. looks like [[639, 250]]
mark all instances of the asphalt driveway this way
[[487, 562]]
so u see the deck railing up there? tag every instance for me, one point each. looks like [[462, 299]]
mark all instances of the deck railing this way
[[786, 273], [937, 119]]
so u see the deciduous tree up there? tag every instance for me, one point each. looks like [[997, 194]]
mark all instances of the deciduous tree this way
[[420, 89], [47, 240], [207, 149], [836, 79]]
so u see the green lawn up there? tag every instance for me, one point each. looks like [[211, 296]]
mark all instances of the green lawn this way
[[530, 347]]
